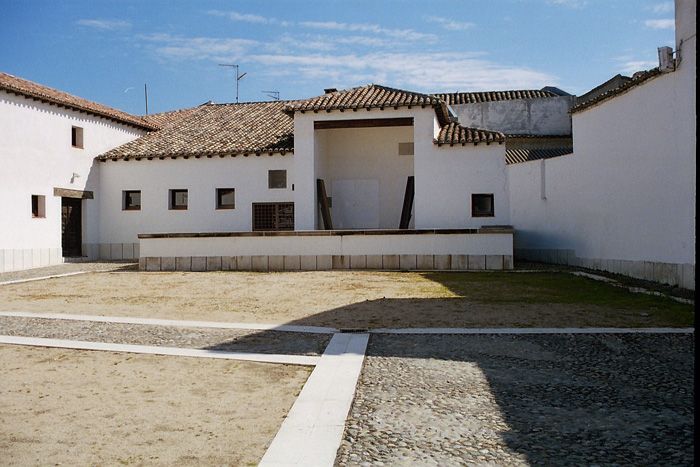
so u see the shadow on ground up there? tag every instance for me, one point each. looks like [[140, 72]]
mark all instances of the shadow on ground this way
[[564, 399]]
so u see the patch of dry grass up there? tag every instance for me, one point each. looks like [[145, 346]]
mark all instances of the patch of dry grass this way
[[352, 299]]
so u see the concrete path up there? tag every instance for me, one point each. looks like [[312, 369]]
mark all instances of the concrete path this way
[[171, 322], [532, 331], [312, 432], [41, 278], [156, 350]]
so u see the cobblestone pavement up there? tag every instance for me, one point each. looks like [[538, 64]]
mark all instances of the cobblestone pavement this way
[[65, 268], [231, 340], [523, 400]]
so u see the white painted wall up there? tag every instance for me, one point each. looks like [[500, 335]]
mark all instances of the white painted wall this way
[[423, 244], [201, 177], [445, 177], [540, 116], [365, 175], [37, 156], [628, 193]]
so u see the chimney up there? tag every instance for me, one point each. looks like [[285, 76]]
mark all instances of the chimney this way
[[666, 62]]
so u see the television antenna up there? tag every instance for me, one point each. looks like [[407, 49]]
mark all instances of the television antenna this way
[[238, 76], [275, 95]]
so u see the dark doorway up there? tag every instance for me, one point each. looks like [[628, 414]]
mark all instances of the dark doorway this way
[[71, 226]]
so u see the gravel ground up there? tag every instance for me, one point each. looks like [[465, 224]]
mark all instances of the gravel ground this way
[[65, 268], [523, 400], [168, 336]]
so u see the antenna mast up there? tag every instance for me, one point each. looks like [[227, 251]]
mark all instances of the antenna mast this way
[[145, 93], [238, 76], [275, 95]]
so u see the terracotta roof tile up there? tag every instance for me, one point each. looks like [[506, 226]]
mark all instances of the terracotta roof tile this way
[[637, 79], [518, 155], [216, 130], [454, 133], [164, 119], [36, 91], [372, 96], [457, 98]]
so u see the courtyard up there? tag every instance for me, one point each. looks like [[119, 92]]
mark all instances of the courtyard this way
[[458, 369]]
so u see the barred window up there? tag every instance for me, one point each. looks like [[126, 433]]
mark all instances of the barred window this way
[[273, 216]]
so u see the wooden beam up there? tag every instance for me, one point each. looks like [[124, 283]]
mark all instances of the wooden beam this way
[[407, 203], [66, 193], [324, 204], [363, 123]]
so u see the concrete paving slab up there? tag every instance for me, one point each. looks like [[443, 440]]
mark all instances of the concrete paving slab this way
[[154, 350], [171, 322], [312, 432]]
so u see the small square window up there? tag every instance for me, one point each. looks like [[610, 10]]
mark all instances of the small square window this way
[[482, 205], [38, 206], [178, 200], [405, 149], [76, 137], [131, 200], [225, 198], [277, 179]]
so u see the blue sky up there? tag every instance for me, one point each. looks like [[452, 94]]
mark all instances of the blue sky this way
[[106, 50]]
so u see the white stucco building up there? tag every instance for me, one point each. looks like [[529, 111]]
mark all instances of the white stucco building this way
[[624, 201], [48, 173], [380, 154], [369, 177]]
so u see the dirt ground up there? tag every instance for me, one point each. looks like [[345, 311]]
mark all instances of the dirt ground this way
[[75, 407], [357, 299]]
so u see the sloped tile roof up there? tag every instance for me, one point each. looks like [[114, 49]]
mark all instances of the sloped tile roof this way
[[372, 96], [457, 98], [23, 87], [454, 133], [518, 155], [216, 130], [637, 79], [164, 119]]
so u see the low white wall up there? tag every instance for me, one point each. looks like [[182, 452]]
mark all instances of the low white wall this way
[[37, 157], [437, 244], [316, 251]]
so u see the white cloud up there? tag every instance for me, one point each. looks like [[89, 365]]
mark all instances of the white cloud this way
[[569, 3], [427, 72], [405, 34], [247, 17], [199, 48], [450, 24], [665, 7], [632, 66], [660, 23], [104, 24]]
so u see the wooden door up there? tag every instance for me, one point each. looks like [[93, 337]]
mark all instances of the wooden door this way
[[71, 226]]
